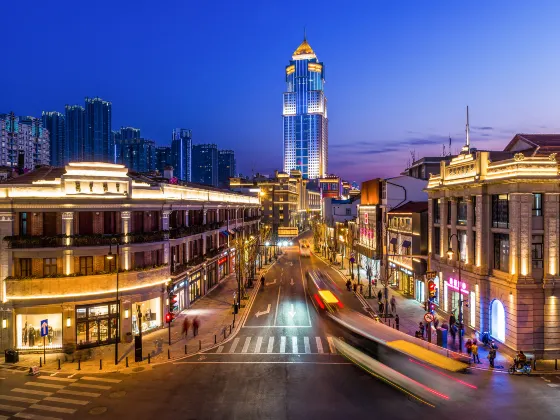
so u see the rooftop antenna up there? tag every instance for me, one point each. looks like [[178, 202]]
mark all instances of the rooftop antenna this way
[[467, 146], [304, 33]]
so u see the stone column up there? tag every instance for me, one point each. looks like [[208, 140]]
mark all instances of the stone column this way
[[165, 219], [204, 243], [204, 216], [455, 241], [187, 249], [470, 244], [444, 245], [514, 233], [68, 226], [187, 217], [525, 234], [551, 235], [125, 225], [6, 223]]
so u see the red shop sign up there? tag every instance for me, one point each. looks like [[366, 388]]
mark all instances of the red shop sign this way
[[222, 260]]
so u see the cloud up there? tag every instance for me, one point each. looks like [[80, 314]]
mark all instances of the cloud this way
[[484, 128]]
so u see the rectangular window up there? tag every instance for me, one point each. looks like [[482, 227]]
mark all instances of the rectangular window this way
[[348, 212], [537, 249], [501, 252], [537, 204], [25, 267], [86, 266], [500, 211], [23, 226], [472, 307], [437, 241], [462, 243], [111, 264], [49, 223], [436, 212], [49, 266], [448, 212], [461, 211]]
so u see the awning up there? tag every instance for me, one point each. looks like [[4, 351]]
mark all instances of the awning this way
[[406, 244], [225, 233]]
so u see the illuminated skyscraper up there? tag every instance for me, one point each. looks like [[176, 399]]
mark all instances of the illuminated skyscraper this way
[[181, 149], [305, 115]]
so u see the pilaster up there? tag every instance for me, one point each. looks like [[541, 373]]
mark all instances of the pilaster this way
[[165, 219], [470, 243], [68, 226], [125, 225], [551, 235], [6, 224], [455, 242], [444, 243], [525, 234]]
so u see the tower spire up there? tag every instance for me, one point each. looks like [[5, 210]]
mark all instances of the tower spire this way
[[304, 33], [467, 147]]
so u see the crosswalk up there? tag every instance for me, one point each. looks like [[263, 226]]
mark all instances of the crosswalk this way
[[278, 345], [47, 397]]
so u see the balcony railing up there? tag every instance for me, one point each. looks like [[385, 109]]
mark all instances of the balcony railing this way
[[179, 268], [252, 218]]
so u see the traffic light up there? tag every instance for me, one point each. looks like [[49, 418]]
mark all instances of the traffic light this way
[[432, 288], [169, 317], [173, 305]]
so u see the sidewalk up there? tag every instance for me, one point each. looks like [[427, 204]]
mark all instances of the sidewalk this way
[[411, 313], [214, 311]]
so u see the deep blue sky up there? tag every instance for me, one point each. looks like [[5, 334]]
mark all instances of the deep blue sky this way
[[399, 73]]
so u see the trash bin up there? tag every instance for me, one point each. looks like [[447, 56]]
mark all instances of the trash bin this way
[[441, 334], [11, 356]]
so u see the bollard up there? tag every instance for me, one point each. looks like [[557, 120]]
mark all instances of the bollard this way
[[185, 349], [126, 361], [233, 322], [199, 344], [58, 364], [215, 340], [79, 368], [230, 329], [148, 358], [555, 364], [40, 362], [168, 354], [100, 364], [224, 333]]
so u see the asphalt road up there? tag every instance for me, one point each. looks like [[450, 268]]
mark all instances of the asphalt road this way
[[280, 365]]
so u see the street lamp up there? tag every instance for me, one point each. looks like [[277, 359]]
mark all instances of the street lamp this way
[[110, 257], [450, 255]]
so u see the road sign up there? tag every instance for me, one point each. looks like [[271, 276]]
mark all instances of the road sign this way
[[428, 317], [44, 327], [431, 275]]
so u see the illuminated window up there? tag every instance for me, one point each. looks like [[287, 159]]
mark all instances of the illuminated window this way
[[49, 266], [472, 307], [537, 204]]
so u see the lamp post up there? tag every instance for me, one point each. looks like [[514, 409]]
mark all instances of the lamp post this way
[[110, 257], [450, 254]]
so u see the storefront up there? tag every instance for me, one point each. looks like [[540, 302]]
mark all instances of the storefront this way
[[150, 313], [179, 289], [212, 273], [28, 333], [420, 291], [455, 292], [402, 279], [232, 260], [195, 286], [222, 267], [96, 324]]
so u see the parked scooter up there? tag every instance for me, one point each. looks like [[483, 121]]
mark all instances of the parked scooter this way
[[525, 369]]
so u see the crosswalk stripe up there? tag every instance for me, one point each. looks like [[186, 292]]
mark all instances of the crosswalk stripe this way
[[294, 345], [306, 344], [30, 416], [234, 345], [67, 400], [553, 385], [32, 392], [246, 345], [78, 393], [270, 345], [11, 408], [258, 346], [19, 399], [54, 409], [282, 344], [55, 378], [331, 345], [45, 385], [220, 349], [90, 386], [108, 380], [319, 344]]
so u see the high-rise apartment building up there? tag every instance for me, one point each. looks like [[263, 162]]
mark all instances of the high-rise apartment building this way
[[226, 167], [24, 143], [181, 149], [163, 158], [137, 154], [205, 164], [98, 145], [128, 133], [125, 133], [54, 123], [305, 115], [74, 120]]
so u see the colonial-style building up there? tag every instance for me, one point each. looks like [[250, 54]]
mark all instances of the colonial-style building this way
[[499, 214], [64, 230]]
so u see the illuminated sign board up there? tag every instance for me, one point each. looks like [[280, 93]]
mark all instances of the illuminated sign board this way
[[458, 286]]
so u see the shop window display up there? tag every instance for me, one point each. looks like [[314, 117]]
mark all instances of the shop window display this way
[[96, 324], [150, 311], [29, 331]]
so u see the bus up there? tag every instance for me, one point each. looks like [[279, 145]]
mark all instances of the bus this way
[[320, 294], [304, 248]]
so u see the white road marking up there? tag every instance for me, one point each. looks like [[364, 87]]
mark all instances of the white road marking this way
[[277, 303], [34, 416], [19, 399], [282, 344], [51, 408], [220, 349], [44, 385], [52, 378], [306, 344], [90, 386], [294, 345], [319, 344], [258, 345], [553, 385], [234, 345], [246, 345], [270, 344], [11, 408], [331, 345], [110, 381], [32, 392], [67, 400], [78, 393]]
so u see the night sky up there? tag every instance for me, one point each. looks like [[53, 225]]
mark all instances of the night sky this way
[[399, 74]]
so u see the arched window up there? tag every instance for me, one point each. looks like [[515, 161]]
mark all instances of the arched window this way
[[498, 320]]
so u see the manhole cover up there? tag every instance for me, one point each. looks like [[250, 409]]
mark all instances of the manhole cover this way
[[138, 369], [117, 394], [98, 410]]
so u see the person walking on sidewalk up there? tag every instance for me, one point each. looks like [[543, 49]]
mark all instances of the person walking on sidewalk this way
[[422, 328], [381, 307], [361, 289], [491, 356], [475, 357], [393, 304], [397, 320], [186, 326], [379, 296], [195, 325]]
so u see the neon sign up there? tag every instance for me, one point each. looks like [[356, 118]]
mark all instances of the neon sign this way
[[455, 285]]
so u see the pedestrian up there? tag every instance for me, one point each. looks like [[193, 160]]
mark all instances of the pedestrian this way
[[436, 322], [475, 357], [381, 307], [186, 326], [379, 295], [361, 289], [422, 328], [349, 285], [355, 287], [393, 304], [195, 324], [453, 331], [397, 321], [468, 346], [491, 356], [452, 320]]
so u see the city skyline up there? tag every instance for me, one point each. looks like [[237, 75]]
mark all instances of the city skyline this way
[[398, 78]]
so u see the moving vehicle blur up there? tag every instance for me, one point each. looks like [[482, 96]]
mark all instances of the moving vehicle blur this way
[[321, 295]]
